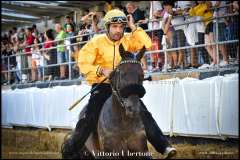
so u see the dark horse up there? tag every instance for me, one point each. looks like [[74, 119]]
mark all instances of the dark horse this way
[[120, 131]]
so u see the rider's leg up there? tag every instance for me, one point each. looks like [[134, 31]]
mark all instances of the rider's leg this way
[[153, 132], [87, 124]]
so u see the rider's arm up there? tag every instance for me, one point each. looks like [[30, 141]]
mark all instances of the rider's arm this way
[[136, 40], [86, 58]]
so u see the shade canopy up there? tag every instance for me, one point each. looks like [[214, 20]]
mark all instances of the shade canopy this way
[[17, 13]]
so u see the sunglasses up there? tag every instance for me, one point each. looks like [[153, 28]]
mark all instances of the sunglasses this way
[[118, 20]]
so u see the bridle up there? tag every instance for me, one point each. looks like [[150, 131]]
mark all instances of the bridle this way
[[114, 91], [116, 71]]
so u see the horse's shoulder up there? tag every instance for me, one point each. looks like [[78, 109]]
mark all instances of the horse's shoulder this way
[[106, 116], [108, 102], [107, 106], [82, 113]]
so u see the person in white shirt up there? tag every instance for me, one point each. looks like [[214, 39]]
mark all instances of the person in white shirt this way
[[37, 62], [155, 24], [168, 31], [154, 14], [179, 39]]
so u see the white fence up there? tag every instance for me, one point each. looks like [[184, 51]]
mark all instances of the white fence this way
[[205, 108]]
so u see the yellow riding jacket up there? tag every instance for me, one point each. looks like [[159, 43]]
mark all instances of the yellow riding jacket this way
[[100, 51]]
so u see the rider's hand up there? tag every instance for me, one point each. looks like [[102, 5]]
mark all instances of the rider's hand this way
[[106, 72], [130, 22]]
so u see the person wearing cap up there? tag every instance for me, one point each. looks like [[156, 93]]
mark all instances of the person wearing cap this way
[[96, 60]]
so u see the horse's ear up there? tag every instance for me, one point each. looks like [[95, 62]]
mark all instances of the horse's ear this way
[[141, 53], [122, 51]]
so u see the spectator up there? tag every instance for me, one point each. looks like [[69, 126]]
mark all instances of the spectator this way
[[179, 39], [87, 18], [232, 30], [68, 21], [156, 35], [87, 24], [84, 29], [12, 63], [154, 14], [97, 21], [14, 37], [195, 36], [120, 7], [21, 35], [85, 12], [221, 29], [203, 9], [4, 62], [37, 62], [10, 33], [18, 63], [62, 55], [137, 14], [29, 41], [69, 34], [41, 38], [74, 24], [168, 31], [17, 58], [35, 32], [70, 49], [50, 55], [209, 37], [108, 6]]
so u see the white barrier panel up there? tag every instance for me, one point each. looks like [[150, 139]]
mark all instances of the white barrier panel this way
[[193, 111], [18, 109], [190, 106], [229, 104], [4, 110], [158, 100]]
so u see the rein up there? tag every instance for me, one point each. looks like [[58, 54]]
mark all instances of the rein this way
[[115, 92]]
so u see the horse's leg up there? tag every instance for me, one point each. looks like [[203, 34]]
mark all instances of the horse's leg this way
[[137, 146], [113, 147], [85, 153], [92, 144]]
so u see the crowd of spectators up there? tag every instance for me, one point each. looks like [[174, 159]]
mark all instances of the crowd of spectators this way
[[175, 35], [163, 25]]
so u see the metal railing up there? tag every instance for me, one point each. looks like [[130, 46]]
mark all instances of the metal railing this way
[[217, 43]]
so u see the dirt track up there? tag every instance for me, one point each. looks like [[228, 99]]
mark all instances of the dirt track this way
[[41, 144]]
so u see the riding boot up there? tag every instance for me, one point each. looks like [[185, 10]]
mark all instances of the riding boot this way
[[153, 132]]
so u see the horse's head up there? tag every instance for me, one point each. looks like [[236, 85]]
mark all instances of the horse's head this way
[[127, 81]]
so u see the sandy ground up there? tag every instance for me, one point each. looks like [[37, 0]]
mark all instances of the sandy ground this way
[[41, 144]]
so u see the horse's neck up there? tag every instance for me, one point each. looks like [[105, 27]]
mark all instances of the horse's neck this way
[[117, 107], [121, 121], [119, 111]]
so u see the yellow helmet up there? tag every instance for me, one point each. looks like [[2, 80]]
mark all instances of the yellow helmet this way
[[114, 16]]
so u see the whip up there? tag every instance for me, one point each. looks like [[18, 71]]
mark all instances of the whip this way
[[94, 88]]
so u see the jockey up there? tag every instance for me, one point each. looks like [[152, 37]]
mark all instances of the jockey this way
[[96, 60]]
